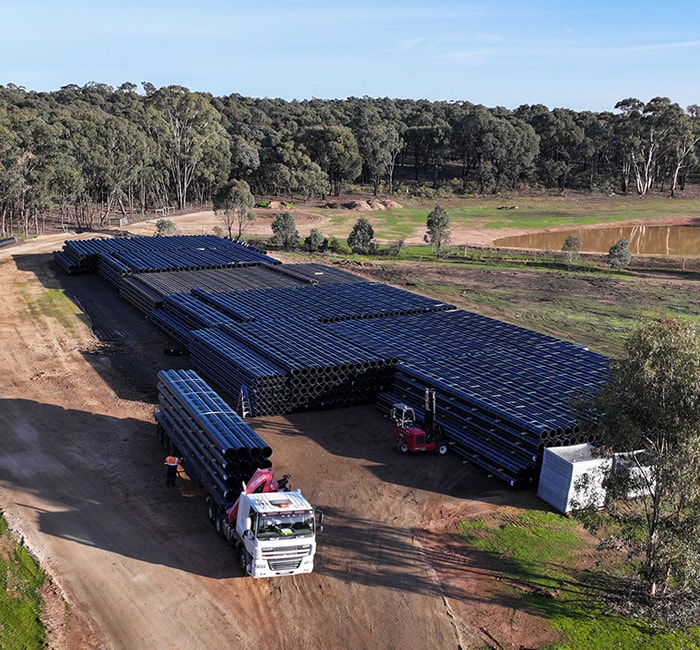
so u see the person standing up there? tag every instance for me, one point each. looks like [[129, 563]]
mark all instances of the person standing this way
[[171, 463]]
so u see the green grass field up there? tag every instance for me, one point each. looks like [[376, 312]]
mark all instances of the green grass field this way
[[535, 212], [20, 602]]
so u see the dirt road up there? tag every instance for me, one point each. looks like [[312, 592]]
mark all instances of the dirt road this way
[[83, 485]]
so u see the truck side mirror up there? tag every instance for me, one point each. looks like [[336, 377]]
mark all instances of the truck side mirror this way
[[319, 521], [248, 525]]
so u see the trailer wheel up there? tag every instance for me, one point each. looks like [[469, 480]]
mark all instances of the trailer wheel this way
[[219, 525], [402, 447], [243, 560], [441, 449], [211, 510]]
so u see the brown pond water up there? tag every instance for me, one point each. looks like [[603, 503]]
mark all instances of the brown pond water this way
[[646, 240]]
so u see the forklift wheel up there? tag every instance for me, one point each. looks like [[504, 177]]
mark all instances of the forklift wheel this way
[[441, 449], [402, 447]]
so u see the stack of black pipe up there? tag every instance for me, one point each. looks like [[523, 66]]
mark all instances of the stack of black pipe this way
[[212, 438], [503, 395], [307, 337], [114, 259]]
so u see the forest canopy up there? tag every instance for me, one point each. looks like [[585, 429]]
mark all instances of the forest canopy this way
[[87, 154]]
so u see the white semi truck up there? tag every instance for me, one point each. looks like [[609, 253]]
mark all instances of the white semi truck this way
[[272, 528]]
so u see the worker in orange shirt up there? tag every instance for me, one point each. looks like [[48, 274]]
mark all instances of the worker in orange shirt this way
[[171, 463]]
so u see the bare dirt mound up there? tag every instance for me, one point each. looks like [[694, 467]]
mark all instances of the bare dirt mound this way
[[362, 205]]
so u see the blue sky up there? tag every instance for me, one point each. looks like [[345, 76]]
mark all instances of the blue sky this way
[[584, 55]]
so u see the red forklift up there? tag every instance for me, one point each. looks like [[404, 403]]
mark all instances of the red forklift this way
[[410, 435]]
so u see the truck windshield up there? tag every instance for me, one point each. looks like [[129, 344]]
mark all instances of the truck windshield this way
[[286, 525]]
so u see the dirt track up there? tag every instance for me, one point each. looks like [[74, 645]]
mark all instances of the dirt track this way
[[82, 483]]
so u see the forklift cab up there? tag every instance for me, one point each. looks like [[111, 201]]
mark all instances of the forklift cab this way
[[414, 437], [403, 415]]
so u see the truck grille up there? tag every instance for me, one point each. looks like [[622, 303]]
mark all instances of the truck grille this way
[[286, 559]]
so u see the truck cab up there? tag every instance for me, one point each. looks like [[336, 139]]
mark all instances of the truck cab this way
[[275, 533]]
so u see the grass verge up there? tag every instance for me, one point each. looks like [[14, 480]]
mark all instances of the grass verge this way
[[20, 603], [538, 556]]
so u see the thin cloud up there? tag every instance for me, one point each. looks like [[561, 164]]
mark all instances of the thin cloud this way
[[660, 47], [411, 43], [468, 58]]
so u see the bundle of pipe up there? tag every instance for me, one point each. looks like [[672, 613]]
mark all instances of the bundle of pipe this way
[[148, 254], [173, 327], [323, 370], [332, 302], [138, 294], [506, 439], [232, 365], [313, 273], [67, 262], [457, 333], [196, 314], [147, 290], [79, 256], [156, 286], [112, 269], [203, 426]]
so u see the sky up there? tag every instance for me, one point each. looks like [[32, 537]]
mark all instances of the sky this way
[[583, 55]]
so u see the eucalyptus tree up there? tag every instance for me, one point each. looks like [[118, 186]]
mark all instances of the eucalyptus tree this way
[[467, 139], [315, 241], [233, 202], [429, 146], [284, 229], [599, 155], [650, 132], [683, 148], [286, 168], [379, 143], [361, 237], [648, 410], [245, 157], [125, 148], [36, 145], [524, 152], [561, 139], [186, 126], [242, 117], [67, 185], [572, 248], [438, 229], [619, 255], [334, 150], [11, 180]]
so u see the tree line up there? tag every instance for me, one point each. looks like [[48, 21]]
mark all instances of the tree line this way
[[86, 153]]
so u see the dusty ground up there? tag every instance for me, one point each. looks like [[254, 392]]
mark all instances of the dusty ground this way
[[82, 484]]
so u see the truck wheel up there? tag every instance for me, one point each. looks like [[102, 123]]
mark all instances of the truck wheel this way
[[441, 449], [243, 560], [211, 510], [402, 447]]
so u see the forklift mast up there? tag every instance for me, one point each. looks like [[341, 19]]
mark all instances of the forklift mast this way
[[429, 405]]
